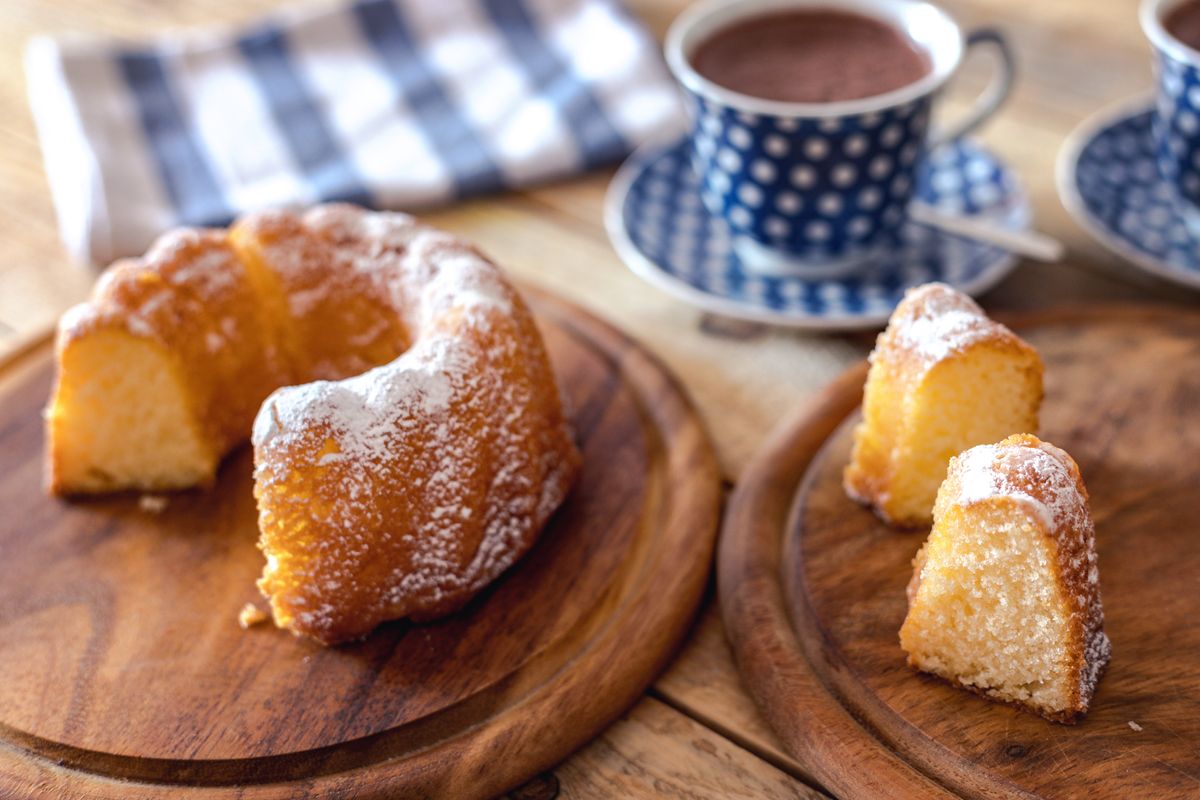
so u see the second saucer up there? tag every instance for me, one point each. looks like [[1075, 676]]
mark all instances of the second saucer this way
[[1109, 181]]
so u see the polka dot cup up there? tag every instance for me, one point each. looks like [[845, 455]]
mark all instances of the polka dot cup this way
[[819, 188], [1176, 122]]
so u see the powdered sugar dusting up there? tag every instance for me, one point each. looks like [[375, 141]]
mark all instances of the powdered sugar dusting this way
[[384, 231], [934, 321], [1096, 655], [361, 411], [1038, 477], [187, 274], [195, 262], [138, 320]]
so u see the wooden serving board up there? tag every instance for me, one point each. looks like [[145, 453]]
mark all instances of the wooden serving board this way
[[812, 589], [124, 673]]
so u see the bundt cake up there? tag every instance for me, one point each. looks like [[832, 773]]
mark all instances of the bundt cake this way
[[1005, 594], [420, 444], [943, 378]]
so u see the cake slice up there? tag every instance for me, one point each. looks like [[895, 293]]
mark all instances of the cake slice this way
[[1005, 594], [159, 374], [943, 378]]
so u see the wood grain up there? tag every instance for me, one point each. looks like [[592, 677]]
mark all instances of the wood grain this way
[[812, 589], [121, 659], [654, 751], [703, 682]]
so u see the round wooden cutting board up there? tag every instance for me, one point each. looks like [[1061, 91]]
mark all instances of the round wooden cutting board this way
[[124, 673], [812, 589]]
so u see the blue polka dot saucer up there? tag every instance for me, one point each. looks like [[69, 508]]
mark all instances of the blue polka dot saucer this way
[[660, 228], [1108, 179]]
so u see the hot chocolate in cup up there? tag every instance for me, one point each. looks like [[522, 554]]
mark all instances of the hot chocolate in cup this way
[[809, 119]]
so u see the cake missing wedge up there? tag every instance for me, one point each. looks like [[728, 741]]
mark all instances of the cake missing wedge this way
[[943, 378], [410, 442], [1005, 594]]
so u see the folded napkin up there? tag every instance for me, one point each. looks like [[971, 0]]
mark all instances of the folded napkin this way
[[397, 104]]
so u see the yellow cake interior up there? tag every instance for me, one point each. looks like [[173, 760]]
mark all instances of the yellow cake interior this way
[[987, 611], [973, 398], [121, 400]]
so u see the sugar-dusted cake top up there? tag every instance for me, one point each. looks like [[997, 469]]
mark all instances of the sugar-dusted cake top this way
[[429, 274], [186, 266], [934, 321], [1040, 476]]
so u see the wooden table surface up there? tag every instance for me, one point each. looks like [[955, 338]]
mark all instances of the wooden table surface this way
[[696, 732]]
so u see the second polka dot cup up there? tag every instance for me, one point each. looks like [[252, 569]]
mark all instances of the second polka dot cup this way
[[1176, 121], [819, 188]]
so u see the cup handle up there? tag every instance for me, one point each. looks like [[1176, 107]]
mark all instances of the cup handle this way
[[993, 96]]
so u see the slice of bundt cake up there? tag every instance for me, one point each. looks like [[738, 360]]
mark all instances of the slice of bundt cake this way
[[943, 378], [1005, 595], [162, 373]]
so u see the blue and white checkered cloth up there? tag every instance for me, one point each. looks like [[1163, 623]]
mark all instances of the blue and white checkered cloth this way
[[399, 104]]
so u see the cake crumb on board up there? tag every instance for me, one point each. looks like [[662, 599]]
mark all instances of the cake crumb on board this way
[[251, 615], [1134, 725], [154, 503]]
